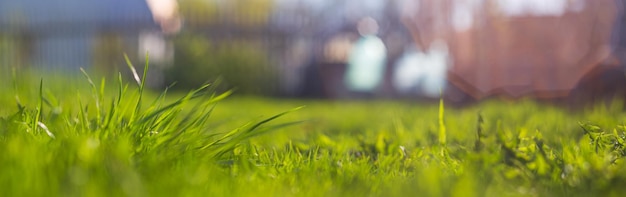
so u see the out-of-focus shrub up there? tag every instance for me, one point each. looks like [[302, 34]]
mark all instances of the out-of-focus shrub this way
[[242, 65]]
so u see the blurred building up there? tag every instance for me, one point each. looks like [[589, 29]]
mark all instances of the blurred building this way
[[82, 33], [519, 48]]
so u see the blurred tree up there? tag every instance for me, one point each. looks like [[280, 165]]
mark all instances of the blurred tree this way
[[224, 38], [198, 12], [241, 65], [244, 13]]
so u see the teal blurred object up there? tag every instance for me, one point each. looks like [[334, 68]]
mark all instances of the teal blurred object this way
[[366, 64]]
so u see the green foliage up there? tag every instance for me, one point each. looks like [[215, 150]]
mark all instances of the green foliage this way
[[107, 145], [242, 66], [62, 138]]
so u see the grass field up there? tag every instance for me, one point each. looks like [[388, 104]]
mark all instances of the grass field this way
[[78, 137]]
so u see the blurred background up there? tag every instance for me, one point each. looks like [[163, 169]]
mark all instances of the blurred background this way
[[461, 50]]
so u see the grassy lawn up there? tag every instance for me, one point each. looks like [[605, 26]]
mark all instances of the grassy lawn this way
[[65, 137]]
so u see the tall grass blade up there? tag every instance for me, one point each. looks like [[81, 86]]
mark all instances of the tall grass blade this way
[[272, 118], [232, 139], [40, 107], [442, 126], [96, 95], [132, 69]]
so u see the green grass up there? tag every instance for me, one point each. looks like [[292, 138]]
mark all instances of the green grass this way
[[97, 137]]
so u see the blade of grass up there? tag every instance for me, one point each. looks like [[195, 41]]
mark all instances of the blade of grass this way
[[39, 108], [95, 93], [272, 118], [140, 83], [132, 69], [239, 135], [191, 95], [442, 126]]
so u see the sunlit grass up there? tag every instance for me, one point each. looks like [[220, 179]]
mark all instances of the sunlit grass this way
[[104, 137]]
